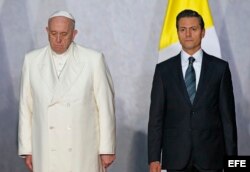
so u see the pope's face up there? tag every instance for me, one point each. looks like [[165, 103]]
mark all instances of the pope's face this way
[[190, 34], [61, 33]]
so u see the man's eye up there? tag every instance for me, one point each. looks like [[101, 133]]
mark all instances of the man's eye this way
[[53, 33], [64, 34], [181, 29]]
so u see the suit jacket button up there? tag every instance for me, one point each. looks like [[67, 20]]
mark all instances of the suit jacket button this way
[[51, 127]]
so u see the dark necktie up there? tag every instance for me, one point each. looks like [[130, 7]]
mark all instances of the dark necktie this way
[[190, 80]]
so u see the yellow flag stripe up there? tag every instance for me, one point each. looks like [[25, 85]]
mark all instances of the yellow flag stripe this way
[[169, 33]]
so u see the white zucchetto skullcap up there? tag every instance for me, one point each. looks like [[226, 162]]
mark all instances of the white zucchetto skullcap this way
[[62, 14]]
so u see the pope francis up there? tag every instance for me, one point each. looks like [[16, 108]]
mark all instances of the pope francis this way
[[66, 115]]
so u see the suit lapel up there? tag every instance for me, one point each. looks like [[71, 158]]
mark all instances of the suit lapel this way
[[205, 77], [47, 70], [180, 79]]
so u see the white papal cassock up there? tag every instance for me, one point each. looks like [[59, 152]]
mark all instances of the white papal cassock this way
[[66, 122]]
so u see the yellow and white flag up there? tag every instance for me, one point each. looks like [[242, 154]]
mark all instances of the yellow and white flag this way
[[169, 44]]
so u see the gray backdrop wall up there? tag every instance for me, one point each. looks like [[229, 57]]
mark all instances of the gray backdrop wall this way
[[127, 32]]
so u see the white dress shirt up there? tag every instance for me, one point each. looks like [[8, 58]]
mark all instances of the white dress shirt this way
[[197, 64], [60, 60]]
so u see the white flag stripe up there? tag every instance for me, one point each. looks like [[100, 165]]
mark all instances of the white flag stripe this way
[[210, 43]]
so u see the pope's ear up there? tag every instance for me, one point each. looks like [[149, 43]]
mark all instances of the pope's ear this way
[[75, 33]]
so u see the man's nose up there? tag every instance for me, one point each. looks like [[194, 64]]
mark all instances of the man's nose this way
[[58, 38], [188, 32]]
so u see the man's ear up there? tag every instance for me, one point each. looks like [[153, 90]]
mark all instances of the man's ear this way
[[74, 34], [203, 32]]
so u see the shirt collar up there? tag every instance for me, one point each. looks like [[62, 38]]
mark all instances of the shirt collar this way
[[197, 56]]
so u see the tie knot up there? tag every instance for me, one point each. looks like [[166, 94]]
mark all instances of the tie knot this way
[[191, 60]]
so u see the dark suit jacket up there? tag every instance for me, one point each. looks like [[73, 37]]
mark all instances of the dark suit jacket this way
[[204, 131]]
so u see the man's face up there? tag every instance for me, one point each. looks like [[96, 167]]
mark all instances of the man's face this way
[[190, 34], [61, 33]]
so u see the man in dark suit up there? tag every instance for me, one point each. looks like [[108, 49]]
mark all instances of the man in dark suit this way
[[192, 122]]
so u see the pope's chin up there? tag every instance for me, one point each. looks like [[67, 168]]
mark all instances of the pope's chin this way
[[58, 50]]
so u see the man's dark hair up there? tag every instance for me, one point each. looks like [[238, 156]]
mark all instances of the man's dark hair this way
[[190, 13]]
